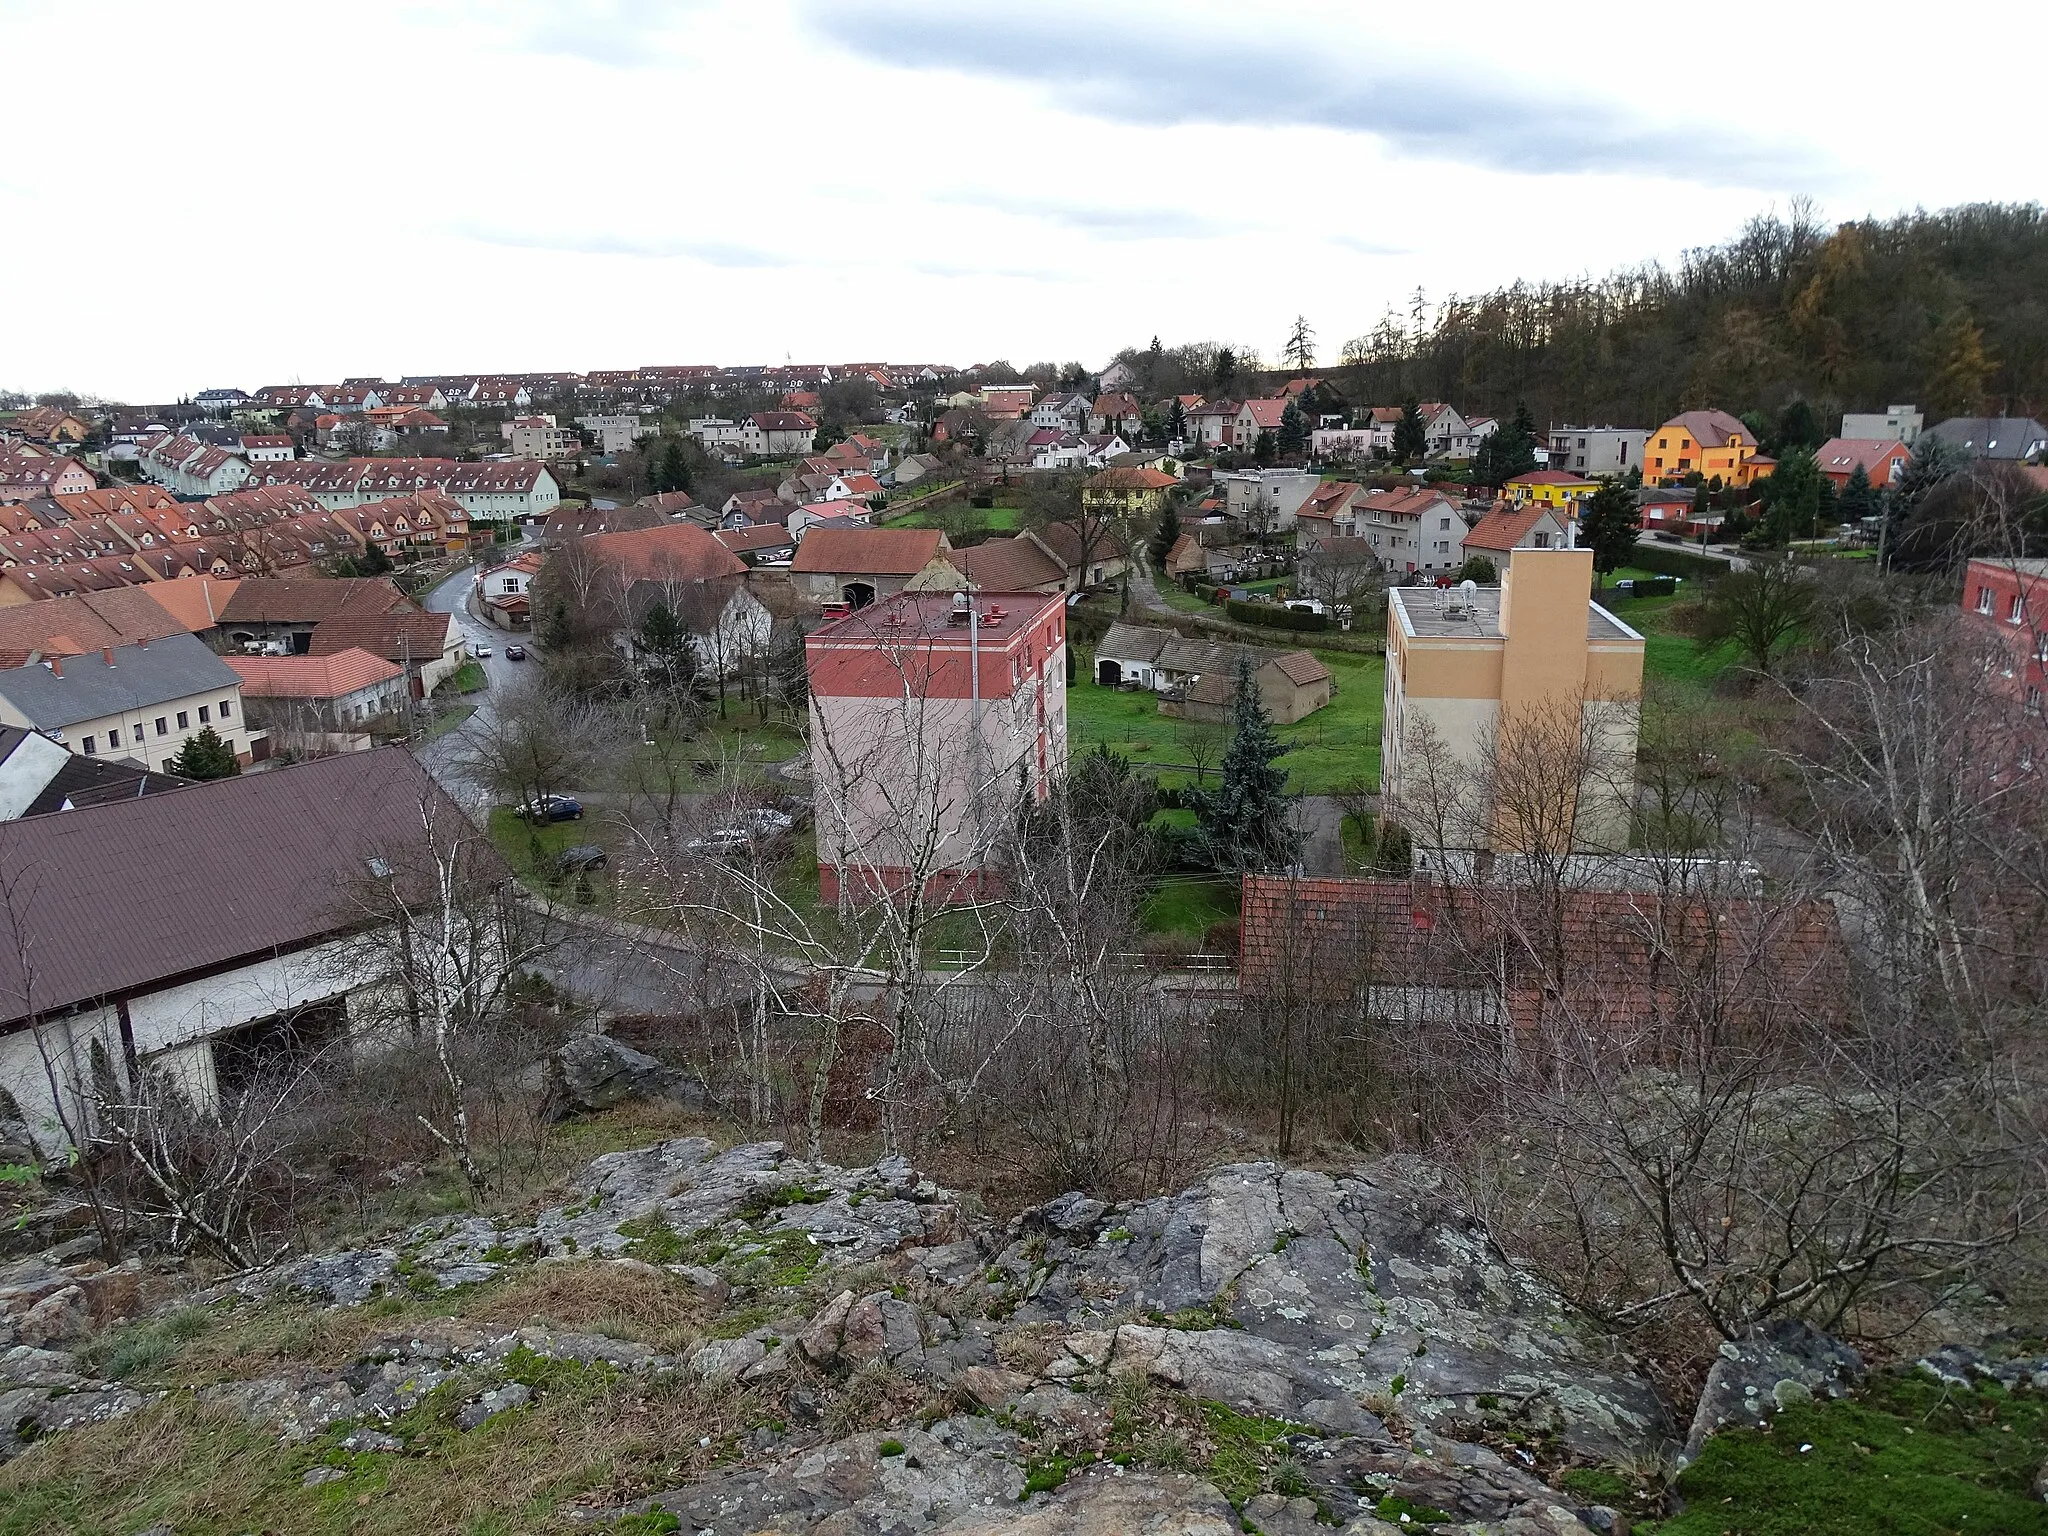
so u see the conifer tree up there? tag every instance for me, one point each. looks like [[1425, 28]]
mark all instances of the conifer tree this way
[[203, 757], [1246, 822]]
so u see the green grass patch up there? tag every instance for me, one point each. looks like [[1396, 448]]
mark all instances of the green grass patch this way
[[1191, 904], [1908, 1457], [467, 678], [532, 849], [1247, 1449], [1186, 602], [447, 718], [1329, 750]]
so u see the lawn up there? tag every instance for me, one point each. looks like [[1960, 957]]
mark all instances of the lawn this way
[[1191, 904], [1186, 602], [959, 514], [468, 678], [1666, 653], [1329, 750], [532, 851]]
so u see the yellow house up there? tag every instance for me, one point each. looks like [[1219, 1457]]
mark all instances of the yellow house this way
[[1511, 712], [1706, 443], [1550, 488], [1136, 494]]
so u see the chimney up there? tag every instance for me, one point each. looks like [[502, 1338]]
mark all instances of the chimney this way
[[107, 654], [56, 666]]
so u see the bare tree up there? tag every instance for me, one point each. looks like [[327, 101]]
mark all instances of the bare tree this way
[[438, 929], [1344, 573]]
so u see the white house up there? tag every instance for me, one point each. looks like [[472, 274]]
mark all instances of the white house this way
[[235, 927], [614, 434], [1267, 498], [188, 468], [269, 448], [142, 702]]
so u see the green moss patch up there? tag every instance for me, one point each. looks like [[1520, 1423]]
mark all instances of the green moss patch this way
[[1908, 1457]]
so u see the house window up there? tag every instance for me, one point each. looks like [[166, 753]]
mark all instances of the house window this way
[[90, 747], [204, 716], [227, 709], [2017, 611], [163, 727], [1983, 599], [1542, 541], [114, 737]]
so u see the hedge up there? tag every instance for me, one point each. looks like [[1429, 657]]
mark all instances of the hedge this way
[[1667, 561], [1273, 616]]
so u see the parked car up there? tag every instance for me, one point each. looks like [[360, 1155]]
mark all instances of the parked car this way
[[515, 653], [583, 856], [755, 824], [550, 808], [479, 651]]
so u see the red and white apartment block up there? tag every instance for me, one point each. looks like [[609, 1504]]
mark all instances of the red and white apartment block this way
[[930, 711], [2010, 597]]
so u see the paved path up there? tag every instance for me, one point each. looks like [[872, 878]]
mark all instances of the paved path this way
[[442, 755]]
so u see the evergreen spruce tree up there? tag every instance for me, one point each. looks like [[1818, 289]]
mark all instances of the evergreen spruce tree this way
[[1293, 429], [1857, 500], [1411, 441], [1176, 420], [675, 467], [1609, 522], [1166, 535], [1246, 823], [203, 757]]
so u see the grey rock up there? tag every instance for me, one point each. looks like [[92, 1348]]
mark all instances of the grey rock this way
[[318, 1475], [1274, 1514], [1753, 1378], [26, 1366], [1336, 1287], [1056, 1406], [902, 1339], [1073, 1213], [31, 1412], [993, 1387], [594, 1071], [300, 1404], [726, 1359], [361, 1441], [494, 1402]]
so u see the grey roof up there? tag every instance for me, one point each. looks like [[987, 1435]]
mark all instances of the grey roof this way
[[1994, 437], [117, 900], [86, 687], [1133, 642]]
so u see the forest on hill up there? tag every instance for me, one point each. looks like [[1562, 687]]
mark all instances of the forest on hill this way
[[1947, 309]]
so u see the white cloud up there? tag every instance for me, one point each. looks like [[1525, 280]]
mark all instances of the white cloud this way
[[248, 193]]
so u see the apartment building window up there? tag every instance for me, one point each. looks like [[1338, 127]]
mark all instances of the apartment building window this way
[[184, 721], [204, 715], [90, 747], [2041, 647], [114, 737], [163, 727], [2033, 708], [1983, 599], [2017, 611]]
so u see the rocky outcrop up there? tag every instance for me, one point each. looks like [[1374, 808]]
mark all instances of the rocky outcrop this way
[[1332, 1300], [1365, 1330]]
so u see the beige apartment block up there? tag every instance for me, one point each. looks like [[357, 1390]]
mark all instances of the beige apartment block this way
[[1512, 711]]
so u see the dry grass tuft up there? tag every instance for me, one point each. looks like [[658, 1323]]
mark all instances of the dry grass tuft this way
[[620, 1301]]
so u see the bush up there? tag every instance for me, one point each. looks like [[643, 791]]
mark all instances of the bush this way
[[1273, 616], [1676, 562]]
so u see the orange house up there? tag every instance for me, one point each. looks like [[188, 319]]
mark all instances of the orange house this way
[[1706, 443]]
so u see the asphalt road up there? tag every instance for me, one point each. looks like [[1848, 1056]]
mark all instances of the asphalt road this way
[[442, 756]]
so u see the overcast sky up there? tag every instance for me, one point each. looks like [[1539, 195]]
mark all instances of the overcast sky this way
[[242, 194]]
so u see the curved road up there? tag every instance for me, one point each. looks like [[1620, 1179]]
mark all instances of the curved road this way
[[441, 754]]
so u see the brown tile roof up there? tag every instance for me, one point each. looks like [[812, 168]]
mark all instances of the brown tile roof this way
[[1503, 528], [1710, 429], [669, 552], [869, 551], [312, 677], [1266, 414], [404, 635], [1133, 479], [1063, 541], [668, 503], [116, 899], [309, 599], [583, 522], [91, 620], [1609, 959], [1301, 668], [1008, 565]]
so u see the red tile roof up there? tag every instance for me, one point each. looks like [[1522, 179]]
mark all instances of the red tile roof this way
[[1504, 528], [312, 677], [868, 551], [1613, 960], [1266, 414], [670, 552]]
